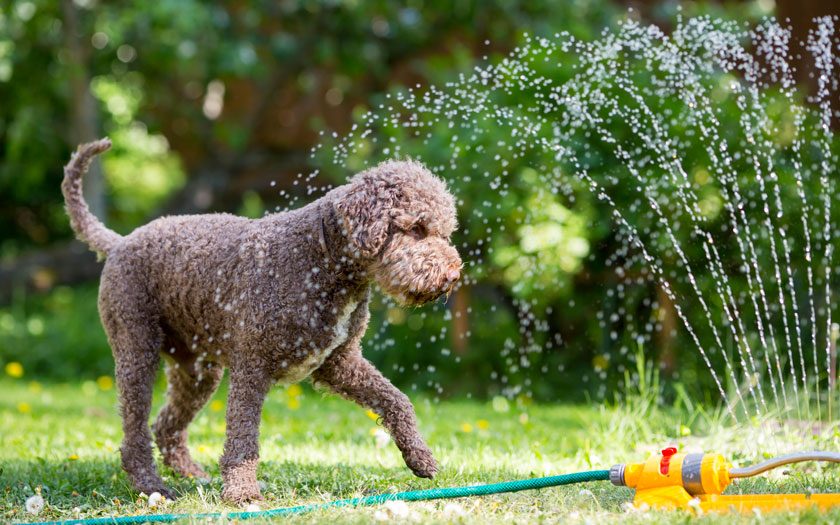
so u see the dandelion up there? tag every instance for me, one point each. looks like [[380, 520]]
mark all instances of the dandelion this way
[[35, 387], [73, 457], [35, 504], [216, 405], [482, 424], [453, 510], [14, 369], [24, 407], [294, 390], [397, 508], [372, 415], [105, 383], [156, 499], [293, 403], [466, 428]]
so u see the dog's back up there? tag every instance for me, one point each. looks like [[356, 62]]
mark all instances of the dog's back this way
[[185, 263]]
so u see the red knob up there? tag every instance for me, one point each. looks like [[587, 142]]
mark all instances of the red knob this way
[[665, 462]]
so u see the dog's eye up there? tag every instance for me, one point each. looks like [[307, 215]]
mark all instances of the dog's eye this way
[[418, 231]]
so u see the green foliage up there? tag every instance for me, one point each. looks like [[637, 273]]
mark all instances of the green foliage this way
[[57, 335]]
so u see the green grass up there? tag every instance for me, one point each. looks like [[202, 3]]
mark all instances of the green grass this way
[[63, 440]]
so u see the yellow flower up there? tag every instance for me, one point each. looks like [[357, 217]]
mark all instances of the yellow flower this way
[[600, 362], [14, 369], [35, 387], [466, 427], [294, 390], [216, 405], [24, 407], [105, 383], [293, 403], [482, 424], [73, 457], [371, 414]]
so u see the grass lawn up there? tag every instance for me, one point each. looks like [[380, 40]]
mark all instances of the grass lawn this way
[[63, 440]]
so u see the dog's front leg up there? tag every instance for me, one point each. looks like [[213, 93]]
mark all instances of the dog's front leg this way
[[249, 386], [352, 376]]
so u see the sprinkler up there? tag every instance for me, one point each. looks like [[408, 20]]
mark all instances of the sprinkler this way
[[673, 480]]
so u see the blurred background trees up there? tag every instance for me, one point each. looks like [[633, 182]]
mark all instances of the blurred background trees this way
[[215, 106]]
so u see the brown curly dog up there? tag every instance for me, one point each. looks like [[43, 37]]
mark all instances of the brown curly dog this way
[[277, 299]]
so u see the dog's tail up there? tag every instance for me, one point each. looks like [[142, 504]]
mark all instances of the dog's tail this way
[[88, 228]]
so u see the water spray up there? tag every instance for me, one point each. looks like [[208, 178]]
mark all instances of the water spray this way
[[667, 481]]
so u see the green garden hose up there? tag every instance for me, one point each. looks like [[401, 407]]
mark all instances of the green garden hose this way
[[413, 495]]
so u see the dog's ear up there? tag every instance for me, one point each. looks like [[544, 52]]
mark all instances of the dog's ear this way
[[365, 210]]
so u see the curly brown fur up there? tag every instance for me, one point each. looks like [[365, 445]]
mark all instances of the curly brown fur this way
[[277, 299]]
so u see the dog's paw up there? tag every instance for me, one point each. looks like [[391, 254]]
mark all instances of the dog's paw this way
[[242, 495], [421, 462], [240, 485]]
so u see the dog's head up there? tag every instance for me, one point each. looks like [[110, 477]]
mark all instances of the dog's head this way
[[399, 218]]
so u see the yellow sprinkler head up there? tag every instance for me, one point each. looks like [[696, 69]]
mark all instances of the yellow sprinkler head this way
[[671, 480]]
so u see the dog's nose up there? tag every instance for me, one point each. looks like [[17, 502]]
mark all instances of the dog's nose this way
[[452, 275]]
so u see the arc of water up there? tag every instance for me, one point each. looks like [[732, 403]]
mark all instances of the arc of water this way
[[733, 322], [661, 143], [820, 46], [599, 191], [594, 96], [736, 213], [750, 68], [788, 89]]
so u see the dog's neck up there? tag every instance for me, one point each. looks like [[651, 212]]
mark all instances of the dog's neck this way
[[335, 246]]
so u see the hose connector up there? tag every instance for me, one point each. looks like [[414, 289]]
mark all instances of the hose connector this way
[[617, 475]]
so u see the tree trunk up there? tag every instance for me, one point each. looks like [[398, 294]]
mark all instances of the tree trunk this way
[[460, 319], [800, 15], [85, 116], [668, 318]]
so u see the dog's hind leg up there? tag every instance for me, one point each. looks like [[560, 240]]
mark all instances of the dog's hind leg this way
[[135, 337], [191, 384]]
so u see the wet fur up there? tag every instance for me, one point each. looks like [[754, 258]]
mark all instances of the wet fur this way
[[276, 299]]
